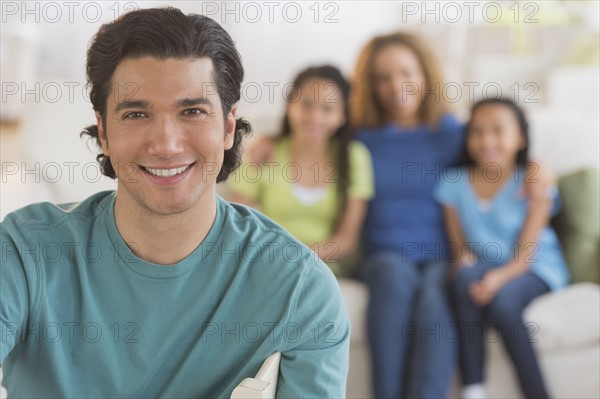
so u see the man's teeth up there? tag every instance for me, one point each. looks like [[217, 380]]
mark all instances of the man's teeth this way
[[167, 172]]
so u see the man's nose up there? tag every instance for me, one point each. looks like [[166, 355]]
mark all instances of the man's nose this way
[[165, 138]]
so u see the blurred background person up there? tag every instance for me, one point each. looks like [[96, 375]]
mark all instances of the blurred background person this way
[[403, 125], [317, 179], [484, 207]]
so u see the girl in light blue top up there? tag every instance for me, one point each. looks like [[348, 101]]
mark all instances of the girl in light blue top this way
[[503, 250]]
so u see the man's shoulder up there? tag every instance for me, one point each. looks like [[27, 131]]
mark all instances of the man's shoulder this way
[[246, 219], [47, 216], [264, 242]]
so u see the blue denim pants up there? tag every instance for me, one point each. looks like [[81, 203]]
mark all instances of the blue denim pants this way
[[505, 312], [412, 335]]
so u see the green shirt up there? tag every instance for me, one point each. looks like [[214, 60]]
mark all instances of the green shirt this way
[[81, 316], [271, 186]]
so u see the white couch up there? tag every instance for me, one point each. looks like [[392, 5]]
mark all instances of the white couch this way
[[568, 344]]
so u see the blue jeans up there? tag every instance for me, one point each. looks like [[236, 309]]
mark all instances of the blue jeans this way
[[505, 312], [408, 309]]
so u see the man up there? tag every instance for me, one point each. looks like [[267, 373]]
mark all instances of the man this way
[[163, 289]]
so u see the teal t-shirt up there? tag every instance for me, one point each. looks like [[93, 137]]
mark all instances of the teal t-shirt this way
[[81, 316]]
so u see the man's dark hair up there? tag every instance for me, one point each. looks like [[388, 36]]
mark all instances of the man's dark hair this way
[[165, 33]]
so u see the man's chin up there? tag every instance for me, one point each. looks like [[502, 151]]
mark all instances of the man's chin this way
[[169, 208], [168, 204], [153, 201]]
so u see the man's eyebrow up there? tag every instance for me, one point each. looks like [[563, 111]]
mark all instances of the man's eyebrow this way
[[188, 102], [131, 104]]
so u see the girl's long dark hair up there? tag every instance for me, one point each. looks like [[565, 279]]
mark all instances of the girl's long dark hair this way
[[523, 154], [342, 136]]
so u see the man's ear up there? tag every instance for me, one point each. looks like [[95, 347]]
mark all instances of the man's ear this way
[[102, 134], [230, 127]]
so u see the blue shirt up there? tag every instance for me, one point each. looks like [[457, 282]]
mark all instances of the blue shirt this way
[[492, 229], [82, 316], [407, 164]]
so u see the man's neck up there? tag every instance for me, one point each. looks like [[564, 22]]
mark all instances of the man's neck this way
[[165, 239]]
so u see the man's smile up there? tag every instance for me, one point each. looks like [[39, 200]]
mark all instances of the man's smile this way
[[169, 175], [167, 171]]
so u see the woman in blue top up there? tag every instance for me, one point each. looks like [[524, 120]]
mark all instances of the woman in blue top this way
[[505, 254], [397, 104]]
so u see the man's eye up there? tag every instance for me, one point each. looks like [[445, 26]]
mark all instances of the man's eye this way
[[133, 115], [194, 111]]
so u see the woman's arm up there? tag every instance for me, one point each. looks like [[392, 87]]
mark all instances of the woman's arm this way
[[261, 149], [538, 180], [345, 239], [456, 238], [538, 217]]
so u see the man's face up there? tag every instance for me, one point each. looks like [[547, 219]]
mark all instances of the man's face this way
[[165, 133]]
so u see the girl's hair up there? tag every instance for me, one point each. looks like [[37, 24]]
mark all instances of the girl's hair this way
[[364, 104], [344, 133], [522, 155]]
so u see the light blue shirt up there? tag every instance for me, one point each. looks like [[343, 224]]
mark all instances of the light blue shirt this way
[[492, 228], [82, 316]]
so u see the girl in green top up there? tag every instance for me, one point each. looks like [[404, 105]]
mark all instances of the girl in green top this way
[[317, 180]]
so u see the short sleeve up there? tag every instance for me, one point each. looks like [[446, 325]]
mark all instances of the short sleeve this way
[[14, 290], [361, 172], [315, 358], [246, 180], [447, 191]]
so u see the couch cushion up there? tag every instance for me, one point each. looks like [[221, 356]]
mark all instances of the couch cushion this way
[[567, 318], [563, 319], [577, 224], [356, 298]]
